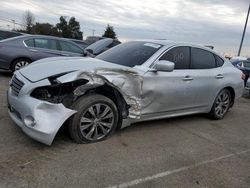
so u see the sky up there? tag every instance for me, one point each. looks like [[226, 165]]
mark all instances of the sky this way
[[207, 22]]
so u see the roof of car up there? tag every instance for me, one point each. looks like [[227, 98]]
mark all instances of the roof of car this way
[[166, 42], [170, 43], [26, 36]]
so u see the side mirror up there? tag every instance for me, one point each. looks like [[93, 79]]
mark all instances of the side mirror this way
[[90, 51], [164, 66]]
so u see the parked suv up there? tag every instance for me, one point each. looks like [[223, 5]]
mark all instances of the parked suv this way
[[18, 52]]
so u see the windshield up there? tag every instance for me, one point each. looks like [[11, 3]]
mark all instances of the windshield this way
[[131, 53]]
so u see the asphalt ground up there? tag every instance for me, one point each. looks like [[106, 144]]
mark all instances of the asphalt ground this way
[[191, 151]]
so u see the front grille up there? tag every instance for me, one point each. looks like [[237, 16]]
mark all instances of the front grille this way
[[16, 85]]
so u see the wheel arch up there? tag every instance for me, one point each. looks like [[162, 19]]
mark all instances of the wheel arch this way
[[114, 95]]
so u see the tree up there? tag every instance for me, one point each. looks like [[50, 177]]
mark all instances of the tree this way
[[69, 29], [28, 21], [74, 27], [45, 29], [109, 32]]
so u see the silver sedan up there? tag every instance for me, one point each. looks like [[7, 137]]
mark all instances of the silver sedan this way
[[132, 82]]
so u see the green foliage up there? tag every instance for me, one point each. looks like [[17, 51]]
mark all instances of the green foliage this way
[[109, 32], [66, 29], [45, 29], [69, 29]]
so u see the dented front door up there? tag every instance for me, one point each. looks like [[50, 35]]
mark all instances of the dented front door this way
[[167, 92]]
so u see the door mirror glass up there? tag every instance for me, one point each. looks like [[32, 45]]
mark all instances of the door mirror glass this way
[[165, 66]]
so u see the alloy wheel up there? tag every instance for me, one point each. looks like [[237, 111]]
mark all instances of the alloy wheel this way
[[21, 64], [96, 122], [222, 104]]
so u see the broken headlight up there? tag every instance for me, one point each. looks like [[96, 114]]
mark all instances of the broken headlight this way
[[58, 93]]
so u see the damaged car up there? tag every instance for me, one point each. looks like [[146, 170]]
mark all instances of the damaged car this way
[[132, 82]]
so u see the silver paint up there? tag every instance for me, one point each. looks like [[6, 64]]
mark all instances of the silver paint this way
[[150, 94]]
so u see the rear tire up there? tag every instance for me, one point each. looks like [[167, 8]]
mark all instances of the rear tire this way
[[20, 63], [221, 105], [96, 119]]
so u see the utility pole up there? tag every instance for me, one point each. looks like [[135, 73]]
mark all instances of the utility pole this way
[[244, 31], [93, 32], [14, 24]]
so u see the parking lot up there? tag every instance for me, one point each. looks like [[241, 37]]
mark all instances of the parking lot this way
[[189, 151]]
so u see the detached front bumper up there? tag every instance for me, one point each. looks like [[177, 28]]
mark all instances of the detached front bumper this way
[[38, 119]]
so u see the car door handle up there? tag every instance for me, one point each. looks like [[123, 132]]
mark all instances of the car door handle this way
[[219, 76], [187, 78]]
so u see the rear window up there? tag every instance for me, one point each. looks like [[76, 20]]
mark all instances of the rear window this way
[[130, 53], [247, 64], [29, 43], [202, 59], [219, 61], [69, 47]]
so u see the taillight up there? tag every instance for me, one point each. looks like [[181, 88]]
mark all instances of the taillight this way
[[243, 76]]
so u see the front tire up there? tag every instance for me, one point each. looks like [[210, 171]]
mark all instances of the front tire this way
[[96, 119], [221, 105]]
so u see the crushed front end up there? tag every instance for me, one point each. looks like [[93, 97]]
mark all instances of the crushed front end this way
[[38, 114]]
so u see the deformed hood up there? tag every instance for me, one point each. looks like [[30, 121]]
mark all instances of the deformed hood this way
[[57, 65]]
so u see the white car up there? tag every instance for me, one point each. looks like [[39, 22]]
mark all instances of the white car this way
[[132, 82]]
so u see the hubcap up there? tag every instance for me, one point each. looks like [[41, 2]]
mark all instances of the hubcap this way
[[222, 104], [97, 121], [21, 64]]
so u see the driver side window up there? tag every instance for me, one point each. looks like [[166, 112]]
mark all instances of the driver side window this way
[[179, 55]]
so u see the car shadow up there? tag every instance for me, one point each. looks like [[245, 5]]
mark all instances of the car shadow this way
[[6, 74], [166, 122]]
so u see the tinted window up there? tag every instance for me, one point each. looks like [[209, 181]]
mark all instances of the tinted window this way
[[246, 64], [29, 43], [46, 43], [69, 47], [219, 61], [202, 59], [179, 55], [131, 53]]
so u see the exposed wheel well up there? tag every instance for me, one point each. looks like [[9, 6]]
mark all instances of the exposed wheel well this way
[[116, 97]]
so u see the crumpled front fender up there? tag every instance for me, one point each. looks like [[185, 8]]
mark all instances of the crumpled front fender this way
[[127, 81]]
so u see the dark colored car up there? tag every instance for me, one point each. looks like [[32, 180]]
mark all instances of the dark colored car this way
[[81, 43], [18, 52], [8, 34], [101, 46], [92, 39], [244, 66]]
